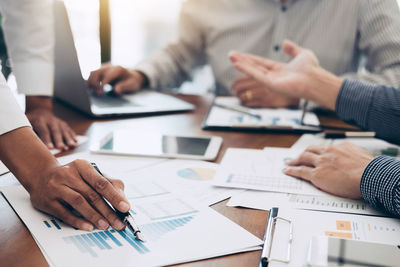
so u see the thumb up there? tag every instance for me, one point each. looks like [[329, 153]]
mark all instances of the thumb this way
[[291, 48]]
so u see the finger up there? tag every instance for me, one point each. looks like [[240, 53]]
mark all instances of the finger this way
[[57, 135], [62, 213], [102, 186], [291, 48], [316, 149], [306, 158], [68, 136], [253, 104], [97, 201], [303, 172], [79, 203], [126, 86], [244, 84], [255, 71], [112, 75], [44, 134], [95, 79]]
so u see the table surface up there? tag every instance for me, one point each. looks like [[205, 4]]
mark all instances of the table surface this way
[[17, 245]]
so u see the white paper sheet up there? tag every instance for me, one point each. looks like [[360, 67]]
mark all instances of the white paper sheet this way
[[261, 170], [267, 200], [219, 116], [192, 178], [307, 224], [81, 140], [176, 231], [375, 146]]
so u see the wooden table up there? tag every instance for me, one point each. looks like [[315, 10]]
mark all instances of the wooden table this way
[[17, 247]]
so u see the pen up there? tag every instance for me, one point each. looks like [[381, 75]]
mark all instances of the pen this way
[[125, 217], [350, 134], [240, 110], [304, 112], [269, 232]]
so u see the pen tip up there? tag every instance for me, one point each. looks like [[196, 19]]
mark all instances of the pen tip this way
[[140, 237]]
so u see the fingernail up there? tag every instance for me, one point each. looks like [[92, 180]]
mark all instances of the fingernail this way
[[118, 224], [87, 227], [123, 206], [50, 145], [102, 224]]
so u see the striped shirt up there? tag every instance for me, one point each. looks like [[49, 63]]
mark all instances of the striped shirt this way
[[376, 108], [345, 35]]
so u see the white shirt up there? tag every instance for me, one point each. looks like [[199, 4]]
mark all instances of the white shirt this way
[[340, 32], [28, 30]]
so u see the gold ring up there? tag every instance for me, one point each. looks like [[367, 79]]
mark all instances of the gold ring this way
[[249, 95]]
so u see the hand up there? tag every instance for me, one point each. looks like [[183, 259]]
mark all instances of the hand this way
[[123, 80], [254, 94], [54, 132], [300, 78], [336, 169], [77, 186]]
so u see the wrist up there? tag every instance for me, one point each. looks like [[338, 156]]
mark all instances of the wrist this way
[[142, 78], [324, 87], [38, 102]]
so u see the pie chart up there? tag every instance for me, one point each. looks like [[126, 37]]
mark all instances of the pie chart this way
[[199, 174]]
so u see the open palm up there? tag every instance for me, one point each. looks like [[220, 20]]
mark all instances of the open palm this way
[[289, 79]]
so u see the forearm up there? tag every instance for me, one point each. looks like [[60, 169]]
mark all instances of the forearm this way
[[34, 102], [322, 87], [25, 155], [372, 107], [380, 184]]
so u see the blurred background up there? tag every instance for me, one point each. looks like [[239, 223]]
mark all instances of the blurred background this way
[[138, 29]]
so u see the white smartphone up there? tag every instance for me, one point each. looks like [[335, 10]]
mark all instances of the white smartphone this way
[[128, 142]]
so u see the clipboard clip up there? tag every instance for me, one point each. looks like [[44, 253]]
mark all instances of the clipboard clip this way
[[269, 237], [289, 247]]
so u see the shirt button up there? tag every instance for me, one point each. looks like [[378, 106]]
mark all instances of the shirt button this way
[[276, 48], [283, 8]]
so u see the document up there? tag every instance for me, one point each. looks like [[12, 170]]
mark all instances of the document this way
[[191, 178], [267, 200], [307, 224], [375, 146], [223, 114], [261, 170], [81, 140], [176, 231]]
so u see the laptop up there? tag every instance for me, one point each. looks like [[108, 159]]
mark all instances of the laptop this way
[[71, 88]]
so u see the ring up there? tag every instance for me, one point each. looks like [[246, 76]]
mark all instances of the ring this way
[[249, 95]]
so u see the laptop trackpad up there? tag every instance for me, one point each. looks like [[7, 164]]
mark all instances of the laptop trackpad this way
[[109, 100]]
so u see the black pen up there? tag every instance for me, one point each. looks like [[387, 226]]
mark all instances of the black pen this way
[[125, 217], [350, 134]]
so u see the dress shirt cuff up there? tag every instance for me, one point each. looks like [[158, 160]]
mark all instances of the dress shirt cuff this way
[[148, 69], [34, 78], [354, 100], [380, 184], [11, 115]]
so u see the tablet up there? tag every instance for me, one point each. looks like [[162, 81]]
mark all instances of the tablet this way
[[125, 142]]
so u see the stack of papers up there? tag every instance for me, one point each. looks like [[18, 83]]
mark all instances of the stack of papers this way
[[176, 231]]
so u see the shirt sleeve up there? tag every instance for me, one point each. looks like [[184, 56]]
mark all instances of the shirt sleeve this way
[[371, 107], [29, 35], [380, 184], [170, 67], [379, 42], [11, 115]]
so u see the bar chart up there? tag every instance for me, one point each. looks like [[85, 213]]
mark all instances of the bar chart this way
[[52, 224], [165, 209], [93, 243]]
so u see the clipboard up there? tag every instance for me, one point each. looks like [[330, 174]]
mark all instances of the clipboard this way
[[269, 239], [248, 127]]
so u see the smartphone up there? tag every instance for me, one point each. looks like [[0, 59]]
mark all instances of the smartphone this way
[[335, 252], [128, 142]]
